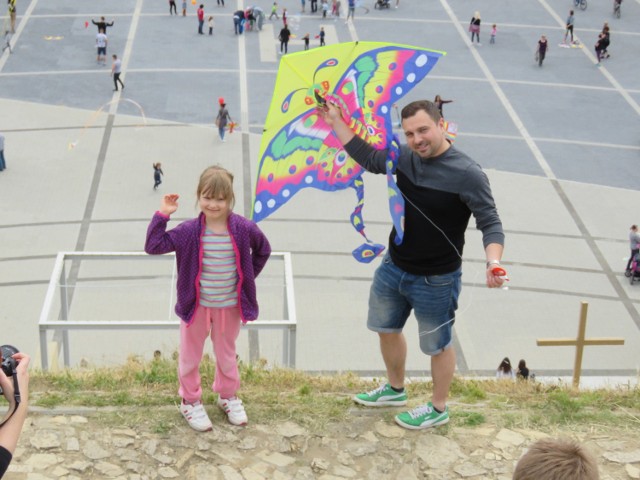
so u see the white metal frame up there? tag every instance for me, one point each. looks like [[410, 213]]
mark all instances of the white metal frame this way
[[58, 278]]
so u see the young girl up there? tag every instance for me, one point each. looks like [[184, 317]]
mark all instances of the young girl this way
[[157, 175], [494, 31], [219, 254], [210, 23]]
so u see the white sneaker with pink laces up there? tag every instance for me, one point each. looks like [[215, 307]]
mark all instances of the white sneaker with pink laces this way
[[234, 409], [196, 416]]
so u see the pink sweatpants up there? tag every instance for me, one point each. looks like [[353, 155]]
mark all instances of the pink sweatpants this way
[[223, 325]]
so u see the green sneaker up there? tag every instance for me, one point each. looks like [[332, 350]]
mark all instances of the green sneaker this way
[[421, 417], [383, 396]]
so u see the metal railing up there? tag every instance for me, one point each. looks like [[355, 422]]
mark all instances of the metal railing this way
[[61, 280]]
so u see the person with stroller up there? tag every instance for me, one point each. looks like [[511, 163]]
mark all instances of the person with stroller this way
[[634, 240]]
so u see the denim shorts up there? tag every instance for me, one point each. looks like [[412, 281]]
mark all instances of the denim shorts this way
[[433, 298]]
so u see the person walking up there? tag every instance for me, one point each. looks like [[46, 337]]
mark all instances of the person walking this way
[[200, 13], [184, 8], [116, 70], [601, 46], [219, 255], [569, 27], [351, 10], [274, 11], [102, 24], [634, 245], [321, 35], [306, 41], [221, 3], [11, 5], [543, 45], [210, 24], [3, 162], [157, 175], [474, 28], [423, 272], [101, 45], [222, 119], [494, 32], [314, 6], [284, 36], [172, 7]]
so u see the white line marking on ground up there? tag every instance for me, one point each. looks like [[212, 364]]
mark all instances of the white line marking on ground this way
[[127, 53], [22, 23]]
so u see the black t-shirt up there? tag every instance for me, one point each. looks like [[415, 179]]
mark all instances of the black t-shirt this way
[[5, 460]]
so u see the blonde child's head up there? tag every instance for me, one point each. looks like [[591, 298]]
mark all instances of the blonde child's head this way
[[216, 182], [551, 459]]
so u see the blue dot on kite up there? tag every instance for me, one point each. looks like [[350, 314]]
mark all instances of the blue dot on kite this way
[[270, 177], [393, 66], [370, 103], [310, 160], [292, 169], [379, 89]]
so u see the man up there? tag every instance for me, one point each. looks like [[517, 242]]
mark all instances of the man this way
[[200, 19], [351, 10], [285, 33], [116, 70], [102, 25], [101, 44], [442, 187]]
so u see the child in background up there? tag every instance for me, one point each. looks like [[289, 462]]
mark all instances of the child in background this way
[[210, 23], [219, 254], [321, 36], [494, 30], [157, 175], [306, 41], [325, 8], [184, 8]]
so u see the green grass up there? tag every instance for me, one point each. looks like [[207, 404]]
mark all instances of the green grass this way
[[279, 394]]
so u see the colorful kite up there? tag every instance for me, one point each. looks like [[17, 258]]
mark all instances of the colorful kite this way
[[300, 150]]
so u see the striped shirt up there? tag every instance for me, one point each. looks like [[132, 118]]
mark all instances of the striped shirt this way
[[219, 277]]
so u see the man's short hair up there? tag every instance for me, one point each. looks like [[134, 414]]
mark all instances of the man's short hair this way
[[556, 459], [414, 107]]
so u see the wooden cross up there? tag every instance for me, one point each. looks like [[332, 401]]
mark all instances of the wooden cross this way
[[579, 343]]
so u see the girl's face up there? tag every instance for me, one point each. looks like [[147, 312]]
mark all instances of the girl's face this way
[[215, 208]]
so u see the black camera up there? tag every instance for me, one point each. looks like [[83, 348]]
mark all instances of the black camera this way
[[8, 364]]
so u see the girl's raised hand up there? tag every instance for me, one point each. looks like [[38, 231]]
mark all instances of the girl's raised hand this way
[[169, 203]]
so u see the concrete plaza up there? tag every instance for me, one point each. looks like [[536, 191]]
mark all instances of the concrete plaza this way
[[560, 144]]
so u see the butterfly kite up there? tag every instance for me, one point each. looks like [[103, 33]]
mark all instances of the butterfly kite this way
[[299, 150]]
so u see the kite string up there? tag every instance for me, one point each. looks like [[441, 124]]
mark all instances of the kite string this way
[[476, 272]]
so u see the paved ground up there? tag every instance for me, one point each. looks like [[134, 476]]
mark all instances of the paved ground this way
[[559, 143]]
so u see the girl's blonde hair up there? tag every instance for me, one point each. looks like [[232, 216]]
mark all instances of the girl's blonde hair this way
[[216, 182]]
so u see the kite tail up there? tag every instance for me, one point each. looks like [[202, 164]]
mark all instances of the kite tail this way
[[366, 252], [396, 201]]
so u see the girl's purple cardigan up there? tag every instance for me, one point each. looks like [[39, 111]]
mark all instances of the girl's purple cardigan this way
[[251, 247]]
